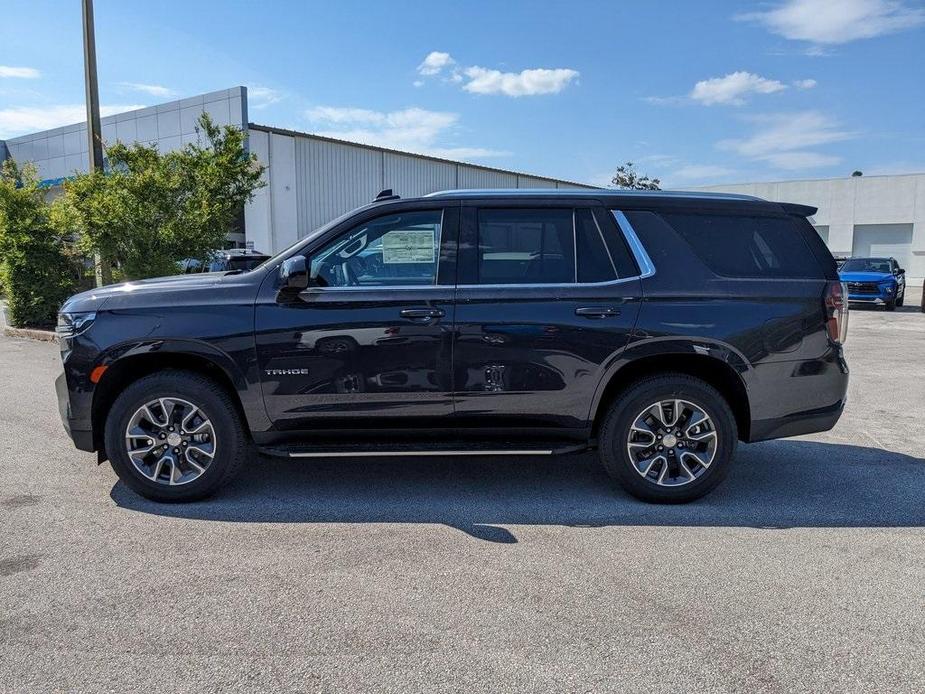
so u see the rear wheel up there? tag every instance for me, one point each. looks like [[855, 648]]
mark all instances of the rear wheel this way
[[668, 438], [175, 436]]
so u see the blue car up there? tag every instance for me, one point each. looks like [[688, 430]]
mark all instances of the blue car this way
[[878, 281]]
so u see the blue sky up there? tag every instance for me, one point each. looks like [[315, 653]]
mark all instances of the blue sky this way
[[694, 92]]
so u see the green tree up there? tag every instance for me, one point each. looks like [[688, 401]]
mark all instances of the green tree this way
[[150, 210], [35, 270], [627, 177]]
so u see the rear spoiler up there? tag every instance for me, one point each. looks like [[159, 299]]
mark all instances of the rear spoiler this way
[[799, 210]]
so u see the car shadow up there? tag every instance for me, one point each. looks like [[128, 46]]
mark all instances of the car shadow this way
[[776, 484]]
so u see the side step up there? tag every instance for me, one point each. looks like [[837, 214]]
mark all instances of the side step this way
[[371, 449]]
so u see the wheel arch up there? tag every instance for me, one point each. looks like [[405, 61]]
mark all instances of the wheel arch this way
[[130, 364], [717, 372]]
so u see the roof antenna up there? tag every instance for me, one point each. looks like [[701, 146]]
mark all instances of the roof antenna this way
[[386, 195]]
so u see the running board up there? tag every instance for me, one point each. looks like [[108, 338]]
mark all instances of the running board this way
[[383, 450]]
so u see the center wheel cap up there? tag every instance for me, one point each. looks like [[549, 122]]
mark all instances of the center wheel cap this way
[[174, 439], [670, 441]]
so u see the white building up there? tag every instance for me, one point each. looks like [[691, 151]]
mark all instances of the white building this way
[[310, 179], [860, 215]]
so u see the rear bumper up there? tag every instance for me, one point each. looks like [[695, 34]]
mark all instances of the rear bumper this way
[[797, 397], [795, 425]]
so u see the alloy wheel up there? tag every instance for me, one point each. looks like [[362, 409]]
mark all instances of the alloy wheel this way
[[672, 442], [170, 441]]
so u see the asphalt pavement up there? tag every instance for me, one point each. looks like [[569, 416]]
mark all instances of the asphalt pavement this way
[[803, 572]]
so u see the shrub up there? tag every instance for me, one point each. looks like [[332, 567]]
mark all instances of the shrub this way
[[150, 210], [35, 270]]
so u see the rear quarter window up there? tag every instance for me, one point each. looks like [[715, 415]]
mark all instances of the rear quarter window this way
[[747, 245]]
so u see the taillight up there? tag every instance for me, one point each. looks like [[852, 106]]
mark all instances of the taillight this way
[[836, 311]]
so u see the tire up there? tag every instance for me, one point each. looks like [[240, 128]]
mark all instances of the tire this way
[[634, 402], [901, 298], [184, 392], [890, 305]]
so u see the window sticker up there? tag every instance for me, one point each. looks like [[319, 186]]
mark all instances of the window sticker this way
[[408, 247]]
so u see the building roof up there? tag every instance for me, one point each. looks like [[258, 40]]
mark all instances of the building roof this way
[[376, 148]]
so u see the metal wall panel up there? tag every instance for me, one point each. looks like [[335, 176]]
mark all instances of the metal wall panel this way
[[474, 177], [534, 182], [333, 178], [60, 152], [258, 222], [410, 176]]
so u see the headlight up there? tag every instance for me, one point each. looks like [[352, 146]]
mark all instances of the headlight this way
[[888, 287], [73, 324]]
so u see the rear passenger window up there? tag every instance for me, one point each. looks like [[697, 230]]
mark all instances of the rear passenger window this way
[[594, 261], [523, 246], [747, 246]]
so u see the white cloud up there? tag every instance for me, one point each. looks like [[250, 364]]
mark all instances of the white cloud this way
[[732, 88], [670, 168], [27, 73], [804, 84], [152, 89], [782, 140], [481, 80], [800, 160], [27, 119], [523, 83], [411, 129], [260, 97], [434, 63], [700, 172], [837, 21], [665, 100]]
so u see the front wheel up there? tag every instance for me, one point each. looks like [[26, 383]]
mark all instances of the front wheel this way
[[175, 436], [890, 305], [901, 298], [668, 438]]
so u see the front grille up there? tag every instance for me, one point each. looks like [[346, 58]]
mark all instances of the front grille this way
[[863, 288]]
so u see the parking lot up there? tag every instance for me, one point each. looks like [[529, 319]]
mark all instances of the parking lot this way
[[805, 571]]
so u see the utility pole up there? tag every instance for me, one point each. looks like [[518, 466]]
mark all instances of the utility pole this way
[[94, 133]]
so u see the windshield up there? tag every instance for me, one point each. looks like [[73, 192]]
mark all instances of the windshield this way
[[867, 265]]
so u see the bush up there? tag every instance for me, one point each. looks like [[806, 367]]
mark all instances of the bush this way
[[149, 210], [35, 270]]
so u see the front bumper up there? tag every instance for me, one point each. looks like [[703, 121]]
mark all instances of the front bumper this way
[[868, 299], [879, 298], [78, 428]]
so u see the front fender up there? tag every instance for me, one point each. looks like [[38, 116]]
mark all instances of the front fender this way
[[234, 359]]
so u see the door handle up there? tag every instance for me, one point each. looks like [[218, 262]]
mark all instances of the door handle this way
[[597, 311], [419, 313]]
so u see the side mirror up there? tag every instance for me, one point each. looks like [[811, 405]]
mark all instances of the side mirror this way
[[900, 271], [293, 273]]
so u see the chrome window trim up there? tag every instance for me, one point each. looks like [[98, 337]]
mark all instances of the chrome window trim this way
[[377, 288], [646, 266]]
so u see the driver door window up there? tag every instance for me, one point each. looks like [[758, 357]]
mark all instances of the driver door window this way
[[399, 249]]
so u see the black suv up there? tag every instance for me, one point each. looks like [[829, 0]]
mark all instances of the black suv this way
[[659, 328]]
